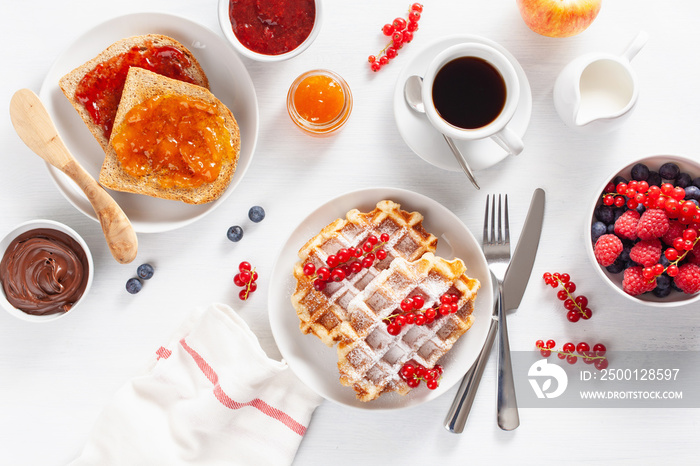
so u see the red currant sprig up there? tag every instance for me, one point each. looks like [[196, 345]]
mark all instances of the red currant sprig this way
[[412, 312], [681, 247], [666, 197], [596, 356], [575, 305], [414, 373], [347, 261], [401, 32], [246, 278]]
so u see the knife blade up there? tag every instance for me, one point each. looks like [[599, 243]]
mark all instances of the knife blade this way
[[513, 290], [518, 273]]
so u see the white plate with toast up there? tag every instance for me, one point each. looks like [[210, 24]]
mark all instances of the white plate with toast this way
[[314, 362], [228, 79]]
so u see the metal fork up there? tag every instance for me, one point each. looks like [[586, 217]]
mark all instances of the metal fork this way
[[497, 251]]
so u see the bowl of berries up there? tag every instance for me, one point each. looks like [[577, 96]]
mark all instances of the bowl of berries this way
[[645, 231]]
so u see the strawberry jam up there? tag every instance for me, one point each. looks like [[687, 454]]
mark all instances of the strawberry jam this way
[[272, 27], [101, 89], [179, 140]]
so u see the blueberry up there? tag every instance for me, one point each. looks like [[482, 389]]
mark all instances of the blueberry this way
[[669, 171], [133, 285], [256, 214], [684, 180], [610, 228], [235, 233], [654, 179], [640, 172], [617, 266], [145, 271], [696, 182], [598, 229], [661, 292], [663, 281], [619, 179], [664, 261], [605, 213], [692, 192]]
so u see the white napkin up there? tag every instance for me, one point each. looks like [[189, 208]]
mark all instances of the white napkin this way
[[212, 397]]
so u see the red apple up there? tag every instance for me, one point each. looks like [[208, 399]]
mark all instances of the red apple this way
[[559, 18]]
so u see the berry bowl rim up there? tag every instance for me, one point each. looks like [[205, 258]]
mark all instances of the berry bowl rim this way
[[52, 225], [675, 299], [227, 30]]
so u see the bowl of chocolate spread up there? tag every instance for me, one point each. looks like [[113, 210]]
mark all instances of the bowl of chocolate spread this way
[[45, 271]]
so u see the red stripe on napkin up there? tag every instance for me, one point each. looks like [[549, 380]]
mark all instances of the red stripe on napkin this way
[[224, 399], [163, 353]]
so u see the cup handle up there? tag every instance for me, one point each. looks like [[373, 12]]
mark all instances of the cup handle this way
[[509, 141], [635, 46]]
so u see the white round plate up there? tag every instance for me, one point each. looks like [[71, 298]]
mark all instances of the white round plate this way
[[315, 363], [229, 82], [426, 141]]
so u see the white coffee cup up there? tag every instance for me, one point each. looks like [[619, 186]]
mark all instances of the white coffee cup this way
[[497, 129]]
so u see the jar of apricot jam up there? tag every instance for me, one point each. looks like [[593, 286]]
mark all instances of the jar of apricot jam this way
[[319, 102]]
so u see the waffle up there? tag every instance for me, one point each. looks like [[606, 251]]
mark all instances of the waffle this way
[[369, 359], [322, 312]]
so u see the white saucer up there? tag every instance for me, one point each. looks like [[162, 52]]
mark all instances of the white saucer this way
[[426, 141]]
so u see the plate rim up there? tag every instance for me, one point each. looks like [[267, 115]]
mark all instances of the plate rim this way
[[281, 276], [179, 23]]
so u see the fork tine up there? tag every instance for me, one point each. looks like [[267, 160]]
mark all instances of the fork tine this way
[[500, 228], [506, 222], [485, 237]]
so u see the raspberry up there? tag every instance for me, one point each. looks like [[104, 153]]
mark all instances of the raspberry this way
[[626, 225], [675, 230], [634, 283], [646, 252], [607, 249], [688, 278], [652, 224]]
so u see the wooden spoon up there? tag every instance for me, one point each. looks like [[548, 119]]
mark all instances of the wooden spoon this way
[[34, 126]]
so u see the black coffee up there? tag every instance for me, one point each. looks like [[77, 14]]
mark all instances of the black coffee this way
[[469, 92]]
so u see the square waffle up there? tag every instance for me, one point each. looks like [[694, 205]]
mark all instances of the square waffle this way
[[322, 312], [369, 358]]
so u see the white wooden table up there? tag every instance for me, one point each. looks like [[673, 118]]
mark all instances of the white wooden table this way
[[55, 378]]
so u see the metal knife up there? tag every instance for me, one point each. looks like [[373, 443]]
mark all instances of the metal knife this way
[[514, 285]]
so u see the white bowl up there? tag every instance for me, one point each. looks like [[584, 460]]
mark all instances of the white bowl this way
[[225, 23], [676, 298], [47, 224]]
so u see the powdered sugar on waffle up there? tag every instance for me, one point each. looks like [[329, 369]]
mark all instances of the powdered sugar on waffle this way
[[369, 358]]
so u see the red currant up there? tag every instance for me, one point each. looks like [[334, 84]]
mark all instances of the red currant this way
[[569, 347], [599, 349], [244, 266], [243, 295], [418, 302], [601, 364], [388, 29], [582, 347], [391, 53], [417, 7], [399, 24], [319, 284], [309, 268]]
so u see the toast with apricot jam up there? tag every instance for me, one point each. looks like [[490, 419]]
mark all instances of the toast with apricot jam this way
[[171, 140], [94, 88]]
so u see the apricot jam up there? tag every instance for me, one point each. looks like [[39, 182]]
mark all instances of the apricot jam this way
[[101, 88], [319, 102], [180, 140]]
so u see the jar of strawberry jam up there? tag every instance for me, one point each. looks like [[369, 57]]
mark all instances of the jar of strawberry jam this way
[[319, 102]]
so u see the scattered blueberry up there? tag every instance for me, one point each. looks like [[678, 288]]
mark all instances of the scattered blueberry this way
[[256, 214], [605, 213], [133, 285], [598, 229], [692, 192], [235, 233], [640, 172], [145, 271], [654, 179], [684, 180], [669, 171]]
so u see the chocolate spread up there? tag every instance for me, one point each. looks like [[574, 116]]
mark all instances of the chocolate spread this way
[[43, 271]]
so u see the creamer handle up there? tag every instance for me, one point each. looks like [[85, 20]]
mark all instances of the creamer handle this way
[[635, 46]]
